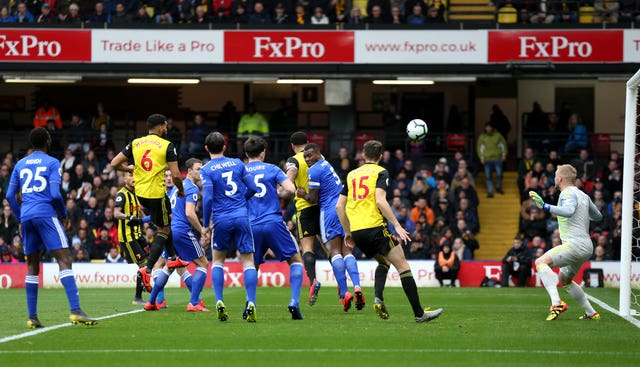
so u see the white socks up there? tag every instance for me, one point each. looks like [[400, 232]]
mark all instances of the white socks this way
[[550, 281], [578, 294]]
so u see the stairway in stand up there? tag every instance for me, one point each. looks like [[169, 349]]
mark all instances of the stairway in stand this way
[[498, 217]]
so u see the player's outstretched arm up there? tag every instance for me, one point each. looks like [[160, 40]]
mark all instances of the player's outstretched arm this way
[[537, 199]]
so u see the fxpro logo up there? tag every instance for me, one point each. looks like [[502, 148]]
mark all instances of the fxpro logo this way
[[288, 47], [556, 46], [28, 45]]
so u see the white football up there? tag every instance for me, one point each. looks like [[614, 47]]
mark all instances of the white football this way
[[417, 129]]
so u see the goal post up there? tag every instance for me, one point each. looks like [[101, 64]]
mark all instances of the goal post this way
[[628, 177]]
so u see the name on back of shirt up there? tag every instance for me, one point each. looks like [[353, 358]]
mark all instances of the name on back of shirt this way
[[34, 161], [222, 165], [259, 167]]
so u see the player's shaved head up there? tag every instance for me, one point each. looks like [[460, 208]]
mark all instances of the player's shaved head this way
[[568, 172], [39, 138]]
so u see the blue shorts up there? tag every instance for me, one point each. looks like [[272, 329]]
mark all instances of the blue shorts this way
[[234, 230], [187, 244], [41, 234], [274, 236], [330, 226]]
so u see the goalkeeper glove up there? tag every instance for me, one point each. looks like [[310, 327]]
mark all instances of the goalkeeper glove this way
[[539, 202]]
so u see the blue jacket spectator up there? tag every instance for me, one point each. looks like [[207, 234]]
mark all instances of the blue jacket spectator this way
[[23, 15], [5, 17], [578, 137]]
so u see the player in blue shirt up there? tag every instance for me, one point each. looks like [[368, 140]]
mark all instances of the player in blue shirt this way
[[184, 220], [37, 178], [324, 188], [269, 230], [226, 187]]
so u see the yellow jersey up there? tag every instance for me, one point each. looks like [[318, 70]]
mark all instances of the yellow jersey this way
[[302, 179], [360, 190], [149, 155], [129, 204]]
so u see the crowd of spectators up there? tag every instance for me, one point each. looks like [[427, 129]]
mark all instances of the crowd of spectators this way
[[414, 12]]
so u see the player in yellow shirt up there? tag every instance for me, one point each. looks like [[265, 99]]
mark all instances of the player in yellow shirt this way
[[362, 208], [147, 157], [307, 214]]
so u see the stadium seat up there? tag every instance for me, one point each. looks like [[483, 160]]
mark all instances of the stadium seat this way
[[586, 14], [600, 145], [360, 139], [507, 15], [320, 139], [456, 142]]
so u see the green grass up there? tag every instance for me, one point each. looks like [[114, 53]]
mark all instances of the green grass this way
[[479, 327]]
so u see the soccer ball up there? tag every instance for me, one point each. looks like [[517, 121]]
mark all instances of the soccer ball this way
[[417, 129]]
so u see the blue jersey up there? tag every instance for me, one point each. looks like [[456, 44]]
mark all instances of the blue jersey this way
[[226, 185], [264, 206], [179, 220], [37, 178], [323, 177]]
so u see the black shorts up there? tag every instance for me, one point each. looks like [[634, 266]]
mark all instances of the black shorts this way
[[159, 210], [134, 252], [309, 222], [374, 241]]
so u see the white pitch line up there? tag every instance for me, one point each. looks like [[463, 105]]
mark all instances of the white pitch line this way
[[326, 350], [54, 327], [600, 303]]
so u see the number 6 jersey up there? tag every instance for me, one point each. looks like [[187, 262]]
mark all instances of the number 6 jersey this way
[[149, 155]]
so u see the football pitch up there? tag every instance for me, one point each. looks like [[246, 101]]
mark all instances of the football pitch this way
[[479, 327]]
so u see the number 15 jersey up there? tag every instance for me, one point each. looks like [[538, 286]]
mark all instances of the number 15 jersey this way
[[360, 190], [149, 155]]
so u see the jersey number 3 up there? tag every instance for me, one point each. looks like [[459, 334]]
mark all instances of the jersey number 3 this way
[[29, 177]]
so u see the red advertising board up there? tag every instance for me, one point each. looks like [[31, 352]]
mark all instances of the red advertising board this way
[[556, 46], [45, 45], [289, 47], [12, 275]]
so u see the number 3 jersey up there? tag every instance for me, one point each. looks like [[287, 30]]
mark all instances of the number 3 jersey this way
[[264, 206], [32, 175], [149, 155], [360, 190]]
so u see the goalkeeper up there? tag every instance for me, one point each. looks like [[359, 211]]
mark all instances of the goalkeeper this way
[[127, 212], [574, 210]]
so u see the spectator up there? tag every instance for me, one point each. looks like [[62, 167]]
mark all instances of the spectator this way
[[8, 224], [492, 151], [100, 118], [441, 171], [338, 11], [174, 135], [92, 213], [78, 134], [99, 15], [434, 15], [70, 15], [5, 17], [462, 172], [120, 16], [444, 210], [541, 14], [578, 135], [195, 143], [447, 265], [5, 178], [355, 16], [416, 250], [606, 11], [22, 16], [533, 224], [517, 263], [465, 190], [185, 11], [102, 140], [45, 113], [500, 121], [281, 15], [461, 250], [81, 256], [422, 183], [421, 207], [260, 15], [566, 11], [240, 15], [469, 215], [599, 254], [584, 165], [525, 164], [141, 16], [442, 191], [376, 15], [101, 246], [7, 257], [46, 16], [416, 17], [166, 11], [252, 123], [200, 16], [114, 257], [405, 221]]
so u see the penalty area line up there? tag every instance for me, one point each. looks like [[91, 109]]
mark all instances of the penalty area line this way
[[60, 326], [635, 322]]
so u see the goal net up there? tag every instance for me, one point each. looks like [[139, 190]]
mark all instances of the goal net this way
[[630, 241]]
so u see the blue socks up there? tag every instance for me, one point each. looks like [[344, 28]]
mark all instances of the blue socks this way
[[337, 263], [295, 279], [197, 283], [160, 282], [217, 280], [31, 286], [188, 280], [352, 269], [70, 288], [250, 282]]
